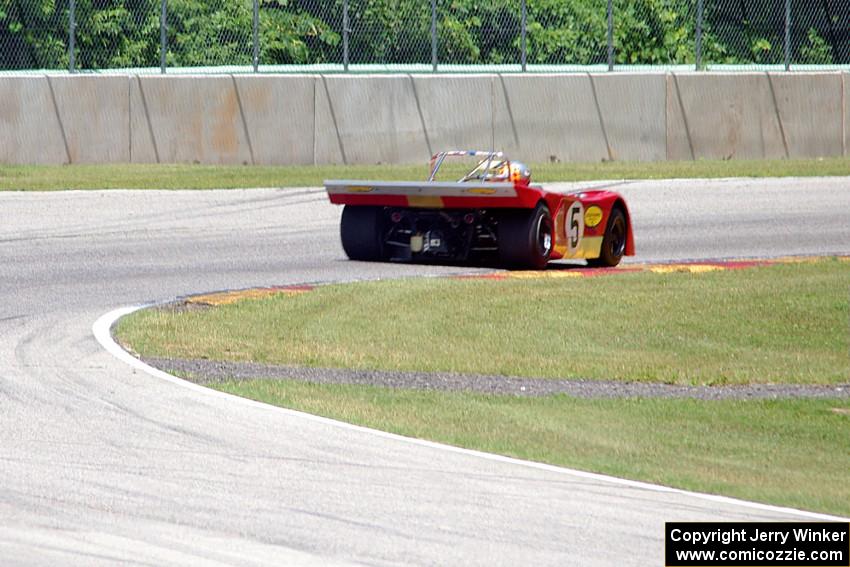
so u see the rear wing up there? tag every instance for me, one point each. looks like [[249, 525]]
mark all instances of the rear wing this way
[[432, 194]]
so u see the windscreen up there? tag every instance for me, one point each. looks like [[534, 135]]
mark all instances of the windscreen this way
[[472, 168]]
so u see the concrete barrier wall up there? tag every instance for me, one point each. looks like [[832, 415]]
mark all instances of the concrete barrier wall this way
[[187, 119], [94, 116], [336, 119], [810, 113], [845, 94], [581, 117], [550, 118], [279, 117], [222, 119], [754, 115], [55, 120], [368, 121], [29, 130]]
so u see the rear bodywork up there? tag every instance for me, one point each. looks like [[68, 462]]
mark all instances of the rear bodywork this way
[[459, 220]]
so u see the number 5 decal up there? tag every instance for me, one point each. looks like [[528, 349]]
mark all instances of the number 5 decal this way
[[574, 227]]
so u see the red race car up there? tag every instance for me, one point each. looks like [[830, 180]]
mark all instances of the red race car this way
[[492, 211]]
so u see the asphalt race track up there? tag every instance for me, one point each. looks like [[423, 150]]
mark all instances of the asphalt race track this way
[[103, 463]]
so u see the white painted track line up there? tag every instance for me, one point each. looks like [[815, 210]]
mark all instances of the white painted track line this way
[[102, 332]]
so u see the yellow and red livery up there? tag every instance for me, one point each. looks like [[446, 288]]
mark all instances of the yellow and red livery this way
[[492, 211]]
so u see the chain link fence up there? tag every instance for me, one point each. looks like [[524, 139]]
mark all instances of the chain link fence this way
[[421, 35]]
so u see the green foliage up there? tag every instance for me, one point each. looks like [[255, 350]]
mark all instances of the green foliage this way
[[474, 32], [816, 50], [114, 34], [571, 33], [298, 32], [198, 35], [387, 31], [33, 34], [654, 31], [126, 33]]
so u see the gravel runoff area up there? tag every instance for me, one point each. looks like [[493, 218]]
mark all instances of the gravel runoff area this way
[[212, 371]]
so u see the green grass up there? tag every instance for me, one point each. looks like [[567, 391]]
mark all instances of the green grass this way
[[786, 452], [187, 176], [783, 323]]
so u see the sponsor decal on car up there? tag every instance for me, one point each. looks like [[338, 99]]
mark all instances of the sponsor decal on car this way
[[593, 216]]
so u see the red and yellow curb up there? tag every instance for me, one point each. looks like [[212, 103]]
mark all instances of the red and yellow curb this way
[[229, 297], [563, 272], [692, 267]]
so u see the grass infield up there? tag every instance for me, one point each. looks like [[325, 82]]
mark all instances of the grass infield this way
[[188, 176], [779, 323], [784, 323]]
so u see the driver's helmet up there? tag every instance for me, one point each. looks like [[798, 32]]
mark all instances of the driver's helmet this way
[[519, 172]]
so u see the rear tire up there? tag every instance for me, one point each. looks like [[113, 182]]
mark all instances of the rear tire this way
[[613, 243], [526, 238], [361, 232]]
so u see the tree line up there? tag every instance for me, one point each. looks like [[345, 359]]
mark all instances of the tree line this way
[[113, 34]]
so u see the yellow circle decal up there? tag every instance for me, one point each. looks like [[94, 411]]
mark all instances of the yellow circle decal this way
[[593, 216]]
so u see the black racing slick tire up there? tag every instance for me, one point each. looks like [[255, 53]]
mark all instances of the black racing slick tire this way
[[526, 238], [614, 241], [361, 232]]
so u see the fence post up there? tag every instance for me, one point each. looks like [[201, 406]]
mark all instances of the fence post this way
[[699, 36], [523, 34], [787, 35], [256, 35], [163, 39], [434, 35], [72, 34], [345, 24], [610, 35]]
